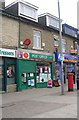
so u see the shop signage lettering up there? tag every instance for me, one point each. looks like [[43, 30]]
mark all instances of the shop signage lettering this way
[[68, 58], [7, 52], [39, 56]]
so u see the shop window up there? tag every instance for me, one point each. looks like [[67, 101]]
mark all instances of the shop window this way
[[63, 46], [23, 78], [43, 72]]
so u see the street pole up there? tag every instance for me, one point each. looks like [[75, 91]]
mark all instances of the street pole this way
[[78, 63], [60, 32]]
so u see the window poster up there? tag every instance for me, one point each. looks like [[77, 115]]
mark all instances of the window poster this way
[[38, 79], [0, 70], [29, 83], [31, 74], [41, 70], [46, 69], [49, 76], [10, 71], [32, 82], [24, 77], [45, 77], [41, 77], [49, 70]]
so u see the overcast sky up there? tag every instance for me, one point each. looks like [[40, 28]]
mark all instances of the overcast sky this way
[[68, 9]]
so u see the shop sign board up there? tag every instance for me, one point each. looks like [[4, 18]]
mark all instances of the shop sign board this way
[[70, 58], [34, 56], [66, 58], [40, 56], [8, 52]]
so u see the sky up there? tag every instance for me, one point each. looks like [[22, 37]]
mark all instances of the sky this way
[[68, 9]]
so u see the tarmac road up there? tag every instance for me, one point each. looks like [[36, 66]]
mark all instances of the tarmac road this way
[[40, 103]]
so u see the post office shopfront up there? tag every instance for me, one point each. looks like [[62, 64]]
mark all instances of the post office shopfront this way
[[34, 69], [7, 70]]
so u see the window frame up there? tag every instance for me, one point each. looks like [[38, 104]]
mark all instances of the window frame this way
[[38, 41]]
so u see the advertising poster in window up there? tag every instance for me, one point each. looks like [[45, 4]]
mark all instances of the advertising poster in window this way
[[10, 71], [38, 79], [45, 77], [49, 76], [23, 77], [42, 77], [31, 82]]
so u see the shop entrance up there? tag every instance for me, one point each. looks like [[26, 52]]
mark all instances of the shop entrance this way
[[10, 74]]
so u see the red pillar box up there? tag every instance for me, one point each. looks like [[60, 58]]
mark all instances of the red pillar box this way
[[70, 81]]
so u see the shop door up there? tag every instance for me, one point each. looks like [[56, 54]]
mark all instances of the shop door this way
[[10, 74]]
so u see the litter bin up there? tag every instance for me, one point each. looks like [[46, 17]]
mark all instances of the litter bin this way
[[70, 81], [77, 84]]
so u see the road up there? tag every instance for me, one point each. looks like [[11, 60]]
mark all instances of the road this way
[[40, 103]]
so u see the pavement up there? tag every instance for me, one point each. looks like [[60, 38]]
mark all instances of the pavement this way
[[40, 103]]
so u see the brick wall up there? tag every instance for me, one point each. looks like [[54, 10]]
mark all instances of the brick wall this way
[[10, 36], [10, 28], [26, 31]]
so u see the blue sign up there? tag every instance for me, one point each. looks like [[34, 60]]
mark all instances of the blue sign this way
[[65, 57]]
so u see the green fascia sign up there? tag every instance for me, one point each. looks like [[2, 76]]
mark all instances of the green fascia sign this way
[[6, 53], [40, 56]]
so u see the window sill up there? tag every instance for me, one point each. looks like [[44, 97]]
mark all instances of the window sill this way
[[38, 48]]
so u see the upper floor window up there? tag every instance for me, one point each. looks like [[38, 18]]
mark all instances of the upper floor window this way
[[63, 46], [28, 12], [37, 40], [53, 22]]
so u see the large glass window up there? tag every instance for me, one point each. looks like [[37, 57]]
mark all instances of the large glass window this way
[[43, 72], [37, 40], [28, 11], [53, 22]]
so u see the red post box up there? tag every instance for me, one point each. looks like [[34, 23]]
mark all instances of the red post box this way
[[70, 81]]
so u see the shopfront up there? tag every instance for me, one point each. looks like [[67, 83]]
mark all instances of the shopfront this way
[[34, 69], [69, 65], [8, 69]]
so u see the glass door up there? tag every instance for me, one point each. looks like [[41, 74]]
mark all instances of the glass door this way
[[10, 74]]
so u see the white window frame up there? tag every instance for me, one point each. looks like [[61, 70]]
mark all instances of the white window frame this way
[[37, 42], [63, 45]]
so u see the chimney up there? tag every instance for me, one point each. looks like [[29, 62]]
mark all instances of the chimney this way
[[2, 4]]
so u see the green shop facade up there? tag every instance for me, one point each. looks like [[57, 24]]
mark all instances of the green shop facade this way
[[8, 70], [23, 69], [34, 69]]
